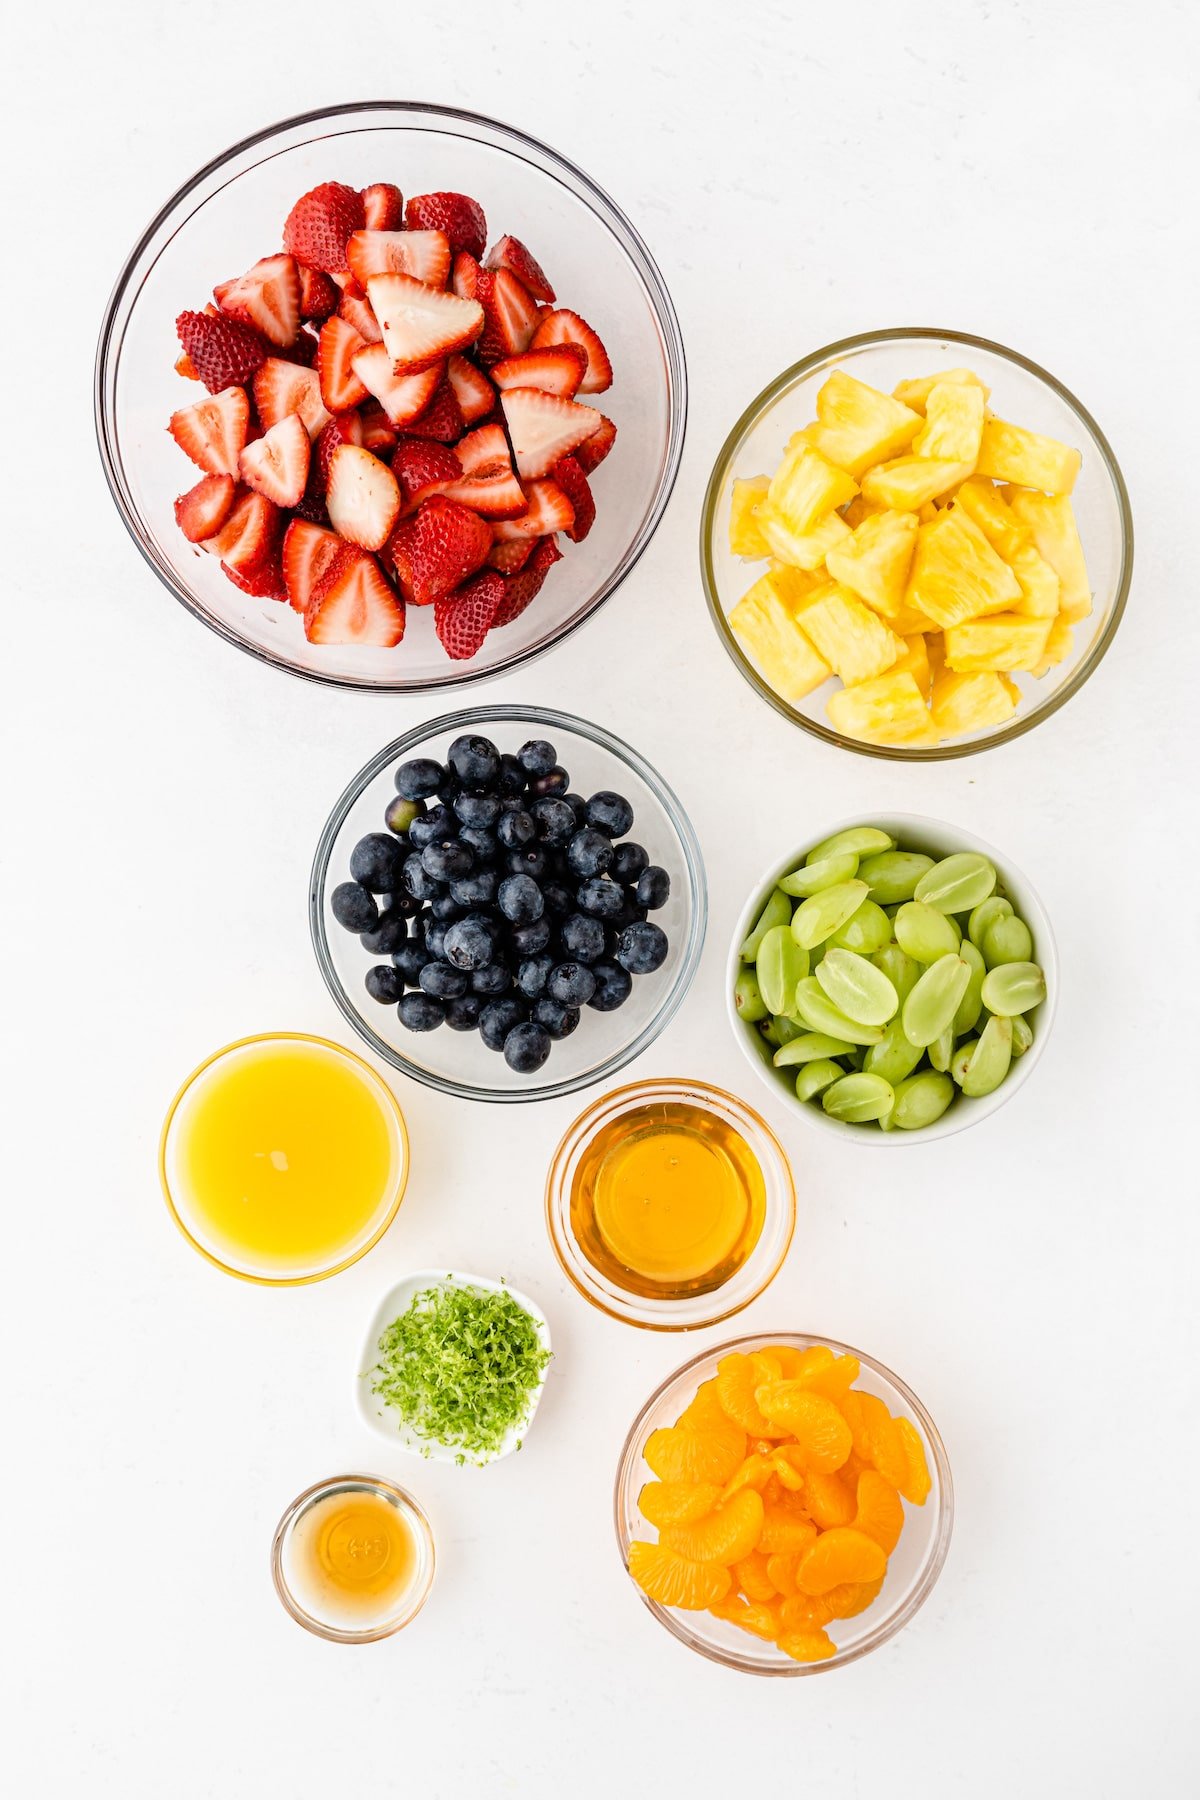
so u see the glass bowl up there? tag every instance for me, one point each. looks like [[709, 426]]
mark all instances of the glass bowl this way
[[414, 1596], [1022, 392], [232, 212], [692, 1310], [936, 839], [189, 1218], [913, 1567], [459, 1062]]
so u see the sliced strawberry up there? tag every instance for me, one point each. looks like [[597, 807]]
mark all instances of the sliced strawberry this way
[[422, 467], [248, 539], [520, 589], [343, 428], [204, 509], [442, 419], [548, 511], [557, 370], [473, 391], [383, 206], [307, 552], [223, 352], [355, 308], [277, 464], [378, 432], [574, 484], [213, 431], [303, 351], [319, 294], [362, 498], [593, 450], [265, 583], [510, 253], [186, 367], [281, 388], [266, 297], [487, 483], [316, 229], [544, 428], [447, 545], [511, 315], [566, 327], [463, 619], [397, 554], [341, 388], [402, 397], [353, 603], [461, 218], [425, 255], [511, 558], [421, 325], [464, 277]]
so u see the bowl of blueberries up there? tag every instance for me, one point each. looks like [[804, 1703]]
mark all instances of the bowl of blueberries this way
[[508, 903]]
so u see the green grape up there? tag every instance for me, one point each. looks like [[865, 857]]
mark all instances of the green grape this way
[[1022, 1035], [822, 914], [817, 875], [814, 1006], [925, 933], [747, 997], [997, 907], [866, 930], [855, 1056], [971, 1004], [857, 987], [930, 1008], [990, 1059], [815, 1076], [960, 1062], [858, 1099], [893, 874], [786, 1029], [810, 1046], [942, 1049], [893, 1056], [859, 840], [921, 1100], [958, 883], [1013, 988], [780, 964], [902, 971], [768, 1030], [1007, 940], [777, 911]]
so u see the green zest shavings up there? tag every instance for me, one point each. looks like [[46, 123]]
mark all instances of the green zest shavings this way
[[461, 1366]]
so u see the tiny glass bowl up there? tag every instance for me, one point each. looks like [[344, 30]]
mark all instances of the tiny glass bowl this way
[[747, 1282], [457, 1062], [936, 839], [232, 212], [1021, 392], [189, 1218], [913, 1566], [413, 1597]]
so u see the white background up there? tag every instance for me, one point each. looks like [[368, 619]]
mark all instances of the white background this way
[[1023, 171]]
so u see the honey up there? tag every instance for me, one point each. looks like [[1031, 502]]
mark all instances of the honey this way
[[668, 1200], [351, 1559]]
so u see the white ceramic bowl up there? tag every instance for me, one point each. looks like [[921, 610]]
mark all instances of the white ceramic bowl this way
[[937, 839]]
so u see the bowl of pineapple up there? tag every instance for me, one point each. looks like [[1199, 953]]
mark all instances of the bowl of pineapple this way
[[916, 544]]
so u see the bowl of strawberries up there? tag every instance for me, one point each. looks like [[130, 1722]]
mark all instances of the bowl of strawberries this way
[[391, 396]]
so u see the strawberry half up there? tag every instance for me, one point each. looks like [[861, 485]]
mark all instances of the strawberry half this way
[[442, 419], [223, 352], [511, 314], [276, 464], [213, 432], [544, 428], [421, 325], [461, 218], [343, 428], [362, 497], [319, 294], [520, 589], [422, 467], [402, 397], [464, 277], [355, 308], [264, 584], [308, 550], [316, 229], [574, 484], [378, 432], [558, 369], [353, 603], [487, 483], [425, 255], [463, 619], [566, 327], [283, 387], [266, 297], [341, 388], [302, 351], [248, 539], [510, 253], [548, 511], [511, 558], [447, 545], [474, 392], [593, 450], [383, 207], [204, 509]]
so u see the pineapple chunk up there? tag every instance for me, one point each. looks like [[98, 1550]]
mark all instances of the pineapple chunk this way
[[915, 662], [1040, 586], [908, 622], [956, 574], [1059, 646], [953, 427], [993, 515], [1003, 641], [766, 627], [1010, 453], [916, 393], [805, 487], [874, 564], [854, 641], [745, 538], [791, 584], [803, 550], [910, 481], [964, 703], [1052, 524], [888, 710], [860, 508], [857, 425]]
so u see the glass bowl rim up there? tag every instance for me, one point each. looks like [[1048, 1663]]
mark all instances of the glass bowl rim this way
[[276, 1037], [558, 1200], [415, 1516], [761, 404], [465, 718], [555, 165], [942, 1521]]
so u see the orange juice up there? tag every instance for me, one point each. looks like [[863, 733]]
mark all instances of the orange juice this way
[[351, 1559]]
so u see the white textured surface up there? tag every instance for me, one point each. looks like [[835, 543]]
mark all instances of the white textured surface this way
[[1025, 171]]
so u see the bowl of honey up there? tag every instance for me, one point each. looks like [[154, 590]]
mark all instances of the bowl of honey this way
[[283, 1158], [670, 1204], [352, 1559]]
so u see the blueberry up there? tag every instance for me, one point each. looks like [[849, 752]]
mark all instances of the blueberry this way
[[499, 1018], [554, 820], [578, 806], [516, 828], [526, 1048], [511, 779], [628, 862], [520, 899], [532, 974], [613, 986], [602, 899], [537, 757], [589, 852], [410, 961], [529, 860], [470, 943], [491, 980], [417, 779], [481, 844], [447, 860], [653, 887], [353, 907], [610, 813], [571, 984], [420, 1012], [642, 948], [438, 822], [443, 981], [388, 935], [462, 1013], [435, 938], [417, 879], [445, 908], [385, 984], [399, 814], [476, 889], [475, 760], [559, 899], [531, 939], [582, 938], [479, 810], [555, 781], [375, 862], [559, 1020]]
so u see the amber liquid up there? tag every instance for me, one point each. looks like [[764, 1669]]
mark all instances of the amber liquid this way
[[668, 1200], [351, 1560]]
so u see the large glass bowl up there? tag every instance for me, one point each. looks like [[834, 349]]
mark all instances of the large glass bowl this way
[[232, 212], [1022, 392], [459, 1062], [913, 1566]]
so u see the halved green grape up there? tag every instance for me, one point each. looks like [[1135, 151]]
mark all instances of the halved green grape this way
[[941, 1050], [786, 1029], [854, 1058], [817, 875], [819, 1013], [921, 1100], [857, 987], [810, 1046], [1022, 1035], [960, 1062], [816, 1076], [866, 930], [1007, 940], [859, 840], [779, 965], [930, 1008], [902, 971], [925, 933], [747, 997], [893, 874], [777, 911], [858, 1099], [1013, 988], [819, 917], [957, 883], [989, 1060], [768, 1030], [996, 907], [893, 1056], [971, 1004]]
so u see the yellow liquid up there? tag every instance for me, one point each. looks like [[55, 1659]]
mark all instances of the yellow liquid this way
[[668, 1201], [284, 1156], [351, 1560]]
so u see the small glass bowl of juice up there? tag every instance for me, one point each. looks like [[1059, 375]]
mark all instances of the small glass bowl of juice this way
[[352, 1559], [670, 1204], [283, 1158]]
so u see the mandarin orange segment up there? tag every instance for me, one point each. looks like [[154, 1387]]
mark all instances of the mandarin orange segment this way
[[885, 1445], [807, 1646], [879, 1512], [704, 1407], [787, 1464], [852, 1597], [753, 1471], [788, 1358], [782, 1570], [672, 1580], [819, 1369], [737, 1378], [821, 1432], [708, 1452], [752, 1577], [839, 1555], [677, 1502], [805, 1612], [786, 1527], [759, 1617], [917, 1483], [829, 1498], [724, 1535]]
